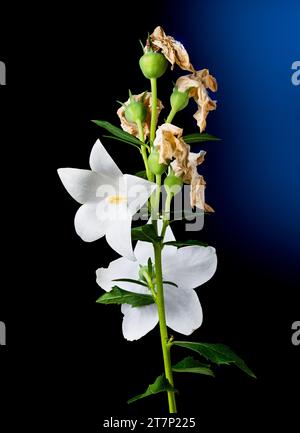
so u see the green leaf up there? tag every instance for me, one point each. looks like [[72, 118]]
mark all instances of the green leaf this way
[[196, 138], [187, 243], [123, 141], [121, 296], [145, 233], [161, 384], [170, 283], [142, 174], [118, 132], [192, 365], [131, 280], [150, 268], [217, 353]]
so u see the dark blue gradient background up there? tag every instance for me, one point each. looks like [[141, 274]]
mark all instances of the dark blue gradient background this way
[[72, 67], [253, 175]]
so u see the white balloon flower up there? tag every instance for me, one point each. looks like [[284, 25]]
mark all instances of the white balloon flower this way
[[109, 200], [187, 267]]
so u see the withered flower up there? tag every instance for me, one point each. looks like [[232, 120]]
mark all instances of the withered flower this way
[[170, 144], [131, 127], [197, 84], [191, 176], [173, 50]]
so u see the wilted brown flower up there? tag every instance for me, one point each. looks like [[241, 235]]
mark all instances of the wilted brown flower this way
[[132, 128], [197, 84], [191, 176], [173, 50], [170, 144]]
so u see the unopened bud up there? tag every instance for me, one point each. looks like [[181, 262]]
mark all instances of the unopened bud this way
[[179, 100], [153, 65], [135, 111], [173, 184], [142, 271], [154, 165]]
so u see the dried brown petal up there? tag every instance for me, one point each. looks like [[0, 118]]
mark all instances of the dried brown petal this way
[[170, 144], [130, 127], [197, 191], [198, 83], [173, 50], [191, 176]]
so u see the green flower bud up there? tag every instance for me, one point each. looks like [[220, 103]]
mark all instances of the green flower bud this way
[[179, 100], [143, 269], [135, 111], [154, 165], [153, 65], [173, 184]]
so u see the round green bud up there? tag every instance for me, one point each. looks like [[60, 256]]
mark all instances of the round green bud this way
[[179, 100], [173, 184], [154, 165], [135, 111], [143, 269], [153, 65]]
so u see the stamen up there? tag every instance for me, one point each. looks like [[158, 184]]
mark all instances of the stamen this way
[[116, 199]]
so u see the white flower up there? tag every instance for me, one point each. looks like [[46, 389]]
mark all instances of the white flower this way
[[109, 200], [187, 267]]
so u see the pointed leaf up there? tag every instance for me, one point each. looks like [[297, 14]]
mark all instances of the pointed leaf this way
[[123, 141], [142, 174], [161, 384], [121, 296], [150, 267], [197, 138], [189, 243], [145, 233], [117, 132], [217, 353], [170, 283], [192, 365], [131, 280]]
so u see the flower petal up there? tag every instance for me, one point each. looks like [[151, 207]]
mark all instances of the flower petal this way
[[191, 266], [87, 225], [80, 184], [137, 322], [120, 268], [183, 310], [102, 162], [144, 250], [118, 236], [138, 191]]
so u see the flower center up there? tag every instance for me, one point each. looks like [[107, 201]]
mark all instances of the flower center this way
[[116, 199]]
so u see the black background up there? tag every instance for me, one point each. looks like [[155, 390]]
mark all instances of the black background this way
[[66, 361]]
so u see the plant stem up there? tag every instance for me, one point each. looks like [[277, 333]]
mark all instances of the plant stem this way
[[153, 109], [155, 214], [171, 116], [163, 326], [158, 265], [144, 150], [167, 212], [160, 302]]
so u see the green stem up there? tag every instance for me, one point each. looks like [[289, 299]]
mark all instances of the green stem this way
[[144, 150], [167, 213], [153, 109], [171, 116], [163, 326], [156, 200], [160, 302]]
